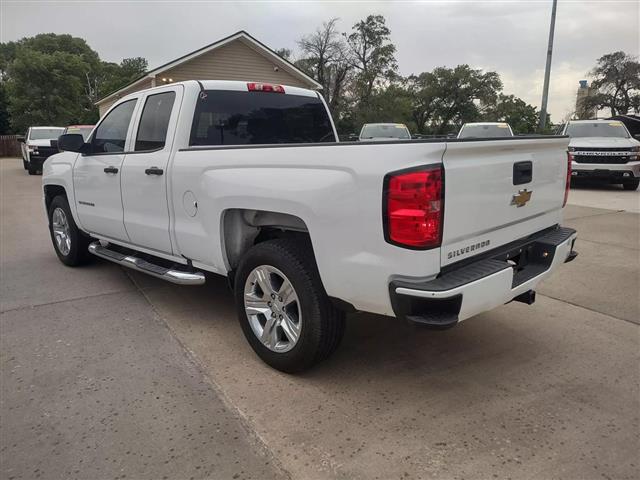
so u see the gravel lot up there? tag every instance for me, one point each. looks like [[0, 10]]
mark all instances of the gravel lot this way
[[112, 374]]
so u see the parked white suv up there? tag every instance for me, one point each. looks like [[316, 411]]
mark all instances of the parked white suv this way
[[247, 180], [604, 150], [36, 147]]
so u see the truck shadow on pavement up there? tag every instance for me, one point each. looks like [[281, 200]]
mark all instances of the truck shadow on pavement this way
[[372, 344], [401, 397]]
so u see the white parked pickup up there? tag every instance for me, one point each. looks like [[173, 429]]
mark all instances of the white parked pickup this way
[[36, 146], [605, 151], [247, 180]]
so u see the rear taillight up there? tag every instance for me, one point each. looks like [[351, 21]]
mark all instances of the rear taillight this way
[[413, 207], [265, 87], [568, 181]]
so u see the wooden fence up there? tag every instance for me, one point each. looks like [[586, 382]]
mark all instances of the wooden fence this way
[[9, 146]]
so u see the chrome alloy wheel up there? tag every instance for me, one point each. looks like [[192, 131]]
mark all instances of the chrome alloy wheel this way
[[60, 227], [272, 308]]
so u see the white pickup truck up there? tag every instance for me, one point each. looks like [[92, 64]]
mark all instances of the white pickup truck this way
[[36, 146], [605, 151], [247, 180]]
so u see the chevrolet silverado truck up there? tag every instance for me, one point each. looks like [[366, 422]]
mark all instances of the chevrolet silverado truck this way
[[37, 147], [248, 181], [604, 150]]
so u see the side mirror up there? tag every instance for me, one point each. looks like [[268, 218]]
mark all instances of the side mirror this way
[[21, 138], [637, 136], [71, 142]]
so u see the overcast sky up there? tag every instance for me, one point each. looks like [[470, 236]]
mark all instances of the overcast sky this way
[[509, 37]]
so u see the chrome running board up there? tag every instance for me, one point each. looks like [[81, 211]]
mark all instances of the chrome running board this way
[[135, 263]]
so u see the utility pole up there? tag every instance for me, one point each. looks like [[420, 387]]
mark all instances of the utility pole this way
[[547, 70]]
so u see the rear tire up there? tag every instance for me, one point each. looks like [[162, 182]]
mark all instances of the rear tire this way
[[631, 184], [69, 242], [318, 323]]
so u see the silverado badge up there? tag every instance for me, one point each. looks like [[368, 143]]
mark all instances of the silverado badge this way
[[521, 198]]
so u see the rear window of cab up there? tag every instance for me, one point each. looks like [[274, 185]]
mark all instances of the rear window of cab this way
[[226, 117]]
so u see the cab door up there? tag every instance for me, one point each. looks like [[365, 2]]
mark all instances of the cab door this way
[[144, 172], [96, 174]]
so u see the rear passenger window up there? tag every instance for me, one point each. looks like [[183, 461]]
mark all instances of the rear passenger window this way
[[154, 122], [111, 134], [227, 117]]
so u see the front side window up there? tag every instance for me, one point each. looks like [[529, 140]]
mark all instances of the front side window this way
[[45, 133], [154, 122], [597, 129], [227, 117], [111, 134]]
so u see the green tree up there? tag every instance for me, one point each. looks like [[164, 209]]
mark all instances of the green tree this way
[[389, 105], [444, 99], [522, 117], [56, 79], [617, 82], [134, 67], [110, 77], [372, 55], [47, 89], [326, 58], [44, 76]]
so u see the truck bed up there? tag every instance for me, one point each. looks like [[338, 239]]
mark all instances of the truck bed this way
[[336, 191]]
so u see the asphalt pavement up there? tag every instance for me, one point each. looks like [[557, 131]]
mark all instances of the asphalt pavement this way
[[108, 373], [93, 385]]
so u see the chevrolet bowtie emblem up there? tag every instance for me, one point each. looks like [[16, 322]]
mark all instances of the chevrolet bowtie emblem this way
[[521, 198]]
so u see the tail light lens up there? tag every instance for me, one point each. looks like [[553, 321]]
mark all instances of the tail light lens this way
[[413, 208], [265, 87], [568, 182]]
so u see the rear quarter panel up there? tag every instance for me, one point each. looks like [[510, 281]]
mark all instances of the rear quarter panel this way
[[337, 192]]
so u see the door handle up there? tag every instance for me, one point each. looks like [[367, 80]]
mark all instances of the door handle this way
[[522, 172], [154, 171], [110, 170]]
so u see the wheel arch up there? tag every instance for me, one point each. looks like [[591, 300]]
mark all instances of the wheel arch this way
[[243, 228], [51, 191]]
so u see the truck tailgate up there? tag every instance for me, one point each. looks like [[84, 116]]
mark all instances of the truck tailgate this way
[[499, 191]]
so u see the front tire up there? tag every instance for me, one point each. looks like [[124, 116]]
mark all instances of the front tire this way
[[631, 184], [25, 165], [284, 312], [32, 169], [70, 244]]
